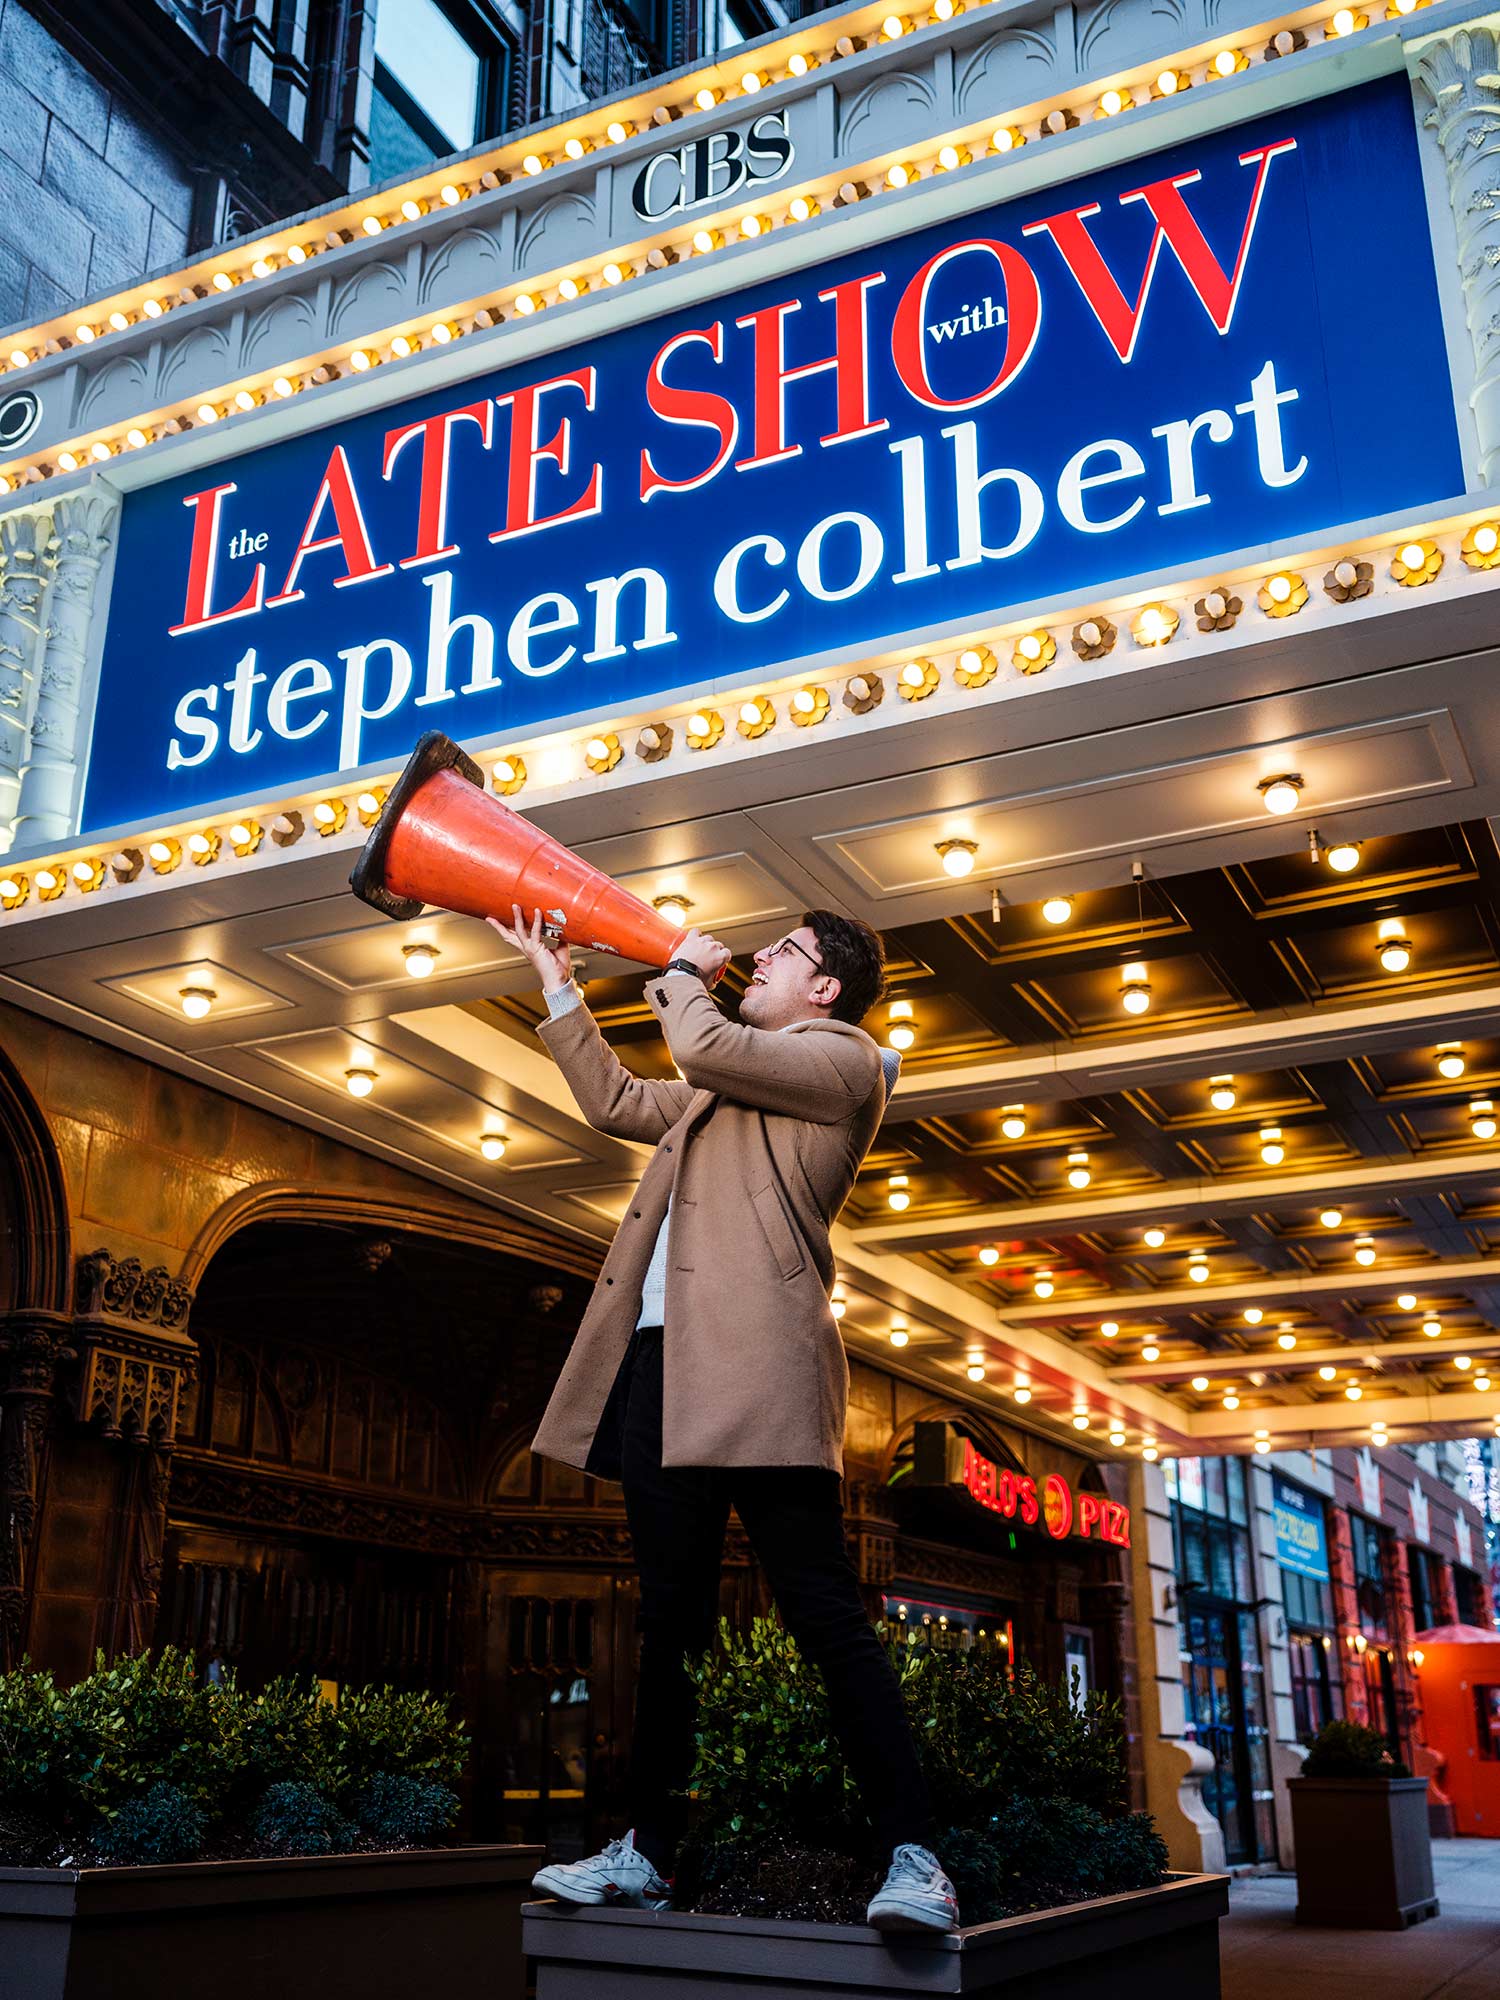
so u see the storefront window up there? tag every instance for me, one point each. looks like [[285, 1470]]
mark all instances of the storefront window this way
[[1222, 1673], [951, 1627], [1374, 1552]]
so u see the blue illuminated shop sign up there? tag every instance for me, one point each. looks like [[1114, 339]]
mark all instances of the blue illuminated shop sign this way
[[1301, 1539], [1163, 361]]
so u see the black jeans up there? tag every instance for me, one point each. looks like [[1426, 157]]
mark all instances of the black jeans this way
[[794, 1518]]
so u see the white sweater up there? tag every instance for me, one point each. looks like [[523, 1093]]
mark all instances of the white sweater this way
[[653, 1307]]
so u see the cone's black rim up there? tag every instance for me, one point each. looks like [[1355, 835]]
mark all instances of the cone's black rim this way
[[434, 752]]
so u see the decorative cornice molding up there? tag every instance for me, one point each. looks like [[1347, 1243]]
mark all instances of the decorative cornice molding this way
[[114, 1288]]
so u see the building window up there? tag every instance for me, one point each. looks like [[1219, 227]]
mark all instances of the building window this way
[[1316, 1697], [1468, 1593], [1487, 1718], [1370, 1588], [1223, 1678], [438, 76], [1424, 1589]]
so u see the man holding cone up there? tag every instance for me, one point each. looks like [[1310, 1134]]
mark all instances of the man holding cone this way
[[709, 1372]]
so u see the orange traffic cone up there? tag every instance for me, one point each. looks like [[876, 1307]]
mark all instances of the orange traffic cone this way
[[442, 838]]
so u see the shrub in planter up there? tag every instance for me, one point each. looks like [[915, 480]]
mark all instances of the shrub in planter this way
[[1027, 1785], [1359, 1822], [160, 1824], [295, 1818], [1349, 1750]]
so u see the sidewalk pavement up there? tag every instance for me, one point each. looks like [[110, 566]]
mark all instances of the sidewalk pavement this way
[[1454, 1956]]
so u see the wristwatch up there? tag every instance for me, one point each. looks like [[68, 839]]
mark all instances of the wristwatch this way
[[684, 965]]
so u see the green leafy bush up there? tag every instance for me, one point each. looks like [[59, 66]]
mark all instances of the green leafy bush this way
[[296, 1818], [160, 1824], [1349, 1750], [144, 1761], [1029, 1786]]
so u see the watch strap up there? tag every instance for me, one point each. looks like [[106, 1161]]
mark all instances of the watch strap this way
[[683, 965]]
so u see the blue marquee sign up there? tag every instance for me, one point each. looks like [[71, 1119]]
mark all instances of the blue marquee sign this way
[[1301, 1537], [1167, 360]]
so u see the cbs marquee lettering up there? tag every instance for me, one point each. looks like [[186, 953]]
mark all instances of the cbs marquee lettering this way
[[1083, 383], [713, 168]]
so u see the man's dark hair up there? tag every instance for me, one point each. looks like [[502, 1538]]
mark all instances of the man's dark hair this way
[[853, 953]]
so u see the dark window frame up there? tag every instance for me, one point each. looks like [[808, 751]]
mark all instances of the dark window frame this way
[[497, 55]]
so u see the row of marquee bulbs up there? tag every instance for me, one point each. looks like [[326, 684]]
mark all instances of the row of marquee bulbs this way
[[411, 207], [1406, 1302]]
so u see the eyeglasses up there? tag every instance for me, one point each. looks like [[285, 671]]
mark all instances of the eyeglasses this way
[[789, 943]]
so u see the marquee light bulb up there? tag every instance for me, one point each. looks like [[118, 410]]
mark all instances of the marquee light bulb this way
[[360, 1081], [1254, 1315], [1013, 1122], [989, 1256], [1057, 909], [420, 959], [1450, 1059], [196, 1001], [1482, 1118], [957, 855], [492, 1145], [1154, 1238], [1280, 795], [1221, 1093], [1343, 857]]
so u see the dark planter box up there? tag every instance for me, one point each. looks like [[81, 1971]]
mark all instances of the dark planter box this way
[[1364, 1852], [1133, 1947], [442, 1921]]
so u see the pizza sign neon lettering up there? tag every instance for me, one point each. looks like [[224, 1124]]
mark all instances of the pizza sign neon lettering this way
[[1093, 1517]]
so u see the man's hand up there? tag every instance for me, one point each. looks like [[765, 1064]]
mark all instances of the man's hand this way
[[550, 961], [705, 952]]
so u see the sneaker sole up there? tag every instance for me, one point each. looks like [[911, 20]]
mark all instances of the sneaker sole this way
[[908, 1919], [546, 1883]]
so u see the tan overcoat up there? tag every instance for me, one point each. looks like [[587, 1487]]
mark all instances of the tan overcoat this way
[[757, 1150]]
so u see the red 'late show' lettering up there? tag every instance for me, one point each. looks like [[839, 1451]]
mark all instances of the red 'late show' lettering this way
[[699, 407], [527, 452], [850, 362], [203, 561], [1023, 319], [350, 535], [1217, 289], [436, 434]]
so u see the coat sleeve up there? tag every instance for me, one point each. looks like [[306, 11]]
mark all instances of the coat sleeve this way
[[611, 1099], [821, 1077]]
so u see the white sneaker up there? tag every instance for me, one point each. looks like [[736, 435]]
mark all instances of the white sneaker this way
[[915, 1896], [617, 1875]]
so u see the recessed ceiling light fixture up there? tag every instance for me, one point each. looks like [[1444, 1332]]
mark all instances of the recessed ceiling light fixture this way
[[1221, 1093], [898, 1191], [1343, 857], [1078, 1170], [1272, 1151], [1135, 988], [1331, 1217], [1013, 1121], [1042, 1284], [1482, 1117], [1057, 909], [1280, 795], [1254, 1315], [1364, 1250], [197, 1001], [1450, 1059], [958, 856], [1154, 1237], [1392, 944]]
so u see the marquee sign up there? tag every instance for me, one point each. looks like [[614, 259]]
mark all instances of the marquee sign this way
[[943, 1456], [1165, 360]]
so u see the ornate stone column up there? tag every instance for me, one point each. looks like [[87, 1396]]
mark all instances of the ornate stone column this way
[[83, 527], [25, 544], [32, 1347], [1458, 73]]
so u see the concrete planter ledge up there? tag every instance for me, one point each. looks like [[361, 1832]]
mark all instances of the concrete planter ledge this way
[[1133, 1947]]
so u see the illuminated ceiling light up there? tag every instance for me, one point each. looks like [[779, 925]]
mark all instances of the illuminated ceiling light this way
[[755, 717], [602, 753], [1364, 1250], [402, 345], [898, 1192], [1482, 1383], [1406, 1302], [1150, 1351], [1432, 1328], [87, 874], [707, 97], [705, 240], [989, 1256], [68, 460], [372, 225], [704, 728], [1149, 1453], [196, 1001], [492, 1145], [533, 163], [100, 450], [1117, 1438], [1057, 909], [1331, 1217], [1271, 1149], [1482, 1117], [1154, 1237], [18, 357], [295, 255], [1109, 1328], [1450, 1059], [1354, 1392], [1221, 1093], [1343, 857], [673, 906], [1392, 944], [1463, 1361], [1200, 1383], [283, 386], [1081, 1421], [975, 1373], [1231, 1402], [753, 80], [616, 133], [1013, 1121], [1022, 1394], [1417, 563], [1078, 1170], [359, 1081], [1280, 795], [1254, 1315], [1042, 1284], [1345, 21], [420, 959], [901, 1034], [1327, 1374], [899, 1335], [1135, 989], [958, 856], [1198, 1269], [412, 211], [1286, 1341]]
